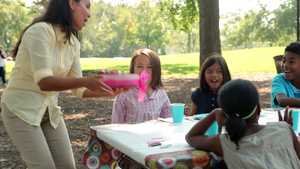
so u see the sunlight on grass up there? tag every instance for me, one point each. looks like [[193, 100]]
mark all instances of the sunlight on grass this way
[[251, 61], [240, 62]]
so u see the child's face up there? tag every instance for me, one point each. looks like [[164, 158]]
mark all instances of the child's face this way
[[291, 66], [142, 62], [214, 76]]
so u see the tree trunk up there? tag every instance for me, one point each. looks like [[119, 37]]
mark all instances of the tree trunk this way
[[209, 29], [189, 43]]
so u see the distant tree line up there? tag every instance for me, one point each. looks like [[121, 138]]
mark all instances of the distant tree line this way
[[168, 26]]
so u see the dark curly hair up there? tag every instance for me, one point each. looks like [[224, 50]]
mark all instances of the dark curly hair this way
[[293, 47]]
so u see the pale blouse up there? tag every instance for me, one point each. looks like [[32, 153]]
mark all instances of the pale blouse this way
[[127, 108], [43, 52], [270, 148]]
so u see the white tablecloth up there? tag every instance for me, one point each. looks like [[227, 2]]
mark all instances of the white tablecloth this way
[[131, 139]]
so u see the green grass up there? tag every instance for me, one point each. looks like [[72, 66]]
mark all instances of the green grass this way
[[251, 61], [240, 62]]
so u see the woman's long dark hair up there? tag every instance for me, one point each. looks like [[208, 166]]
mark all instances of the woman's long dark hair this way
[[237, 98], [57, 12]]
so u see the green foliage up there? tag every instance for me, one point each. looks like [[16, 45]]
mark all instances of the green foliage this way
[[13, 18], [169, 25], [276, 27], [182, 13], [184, 16], [116, 31], [285, 22], [38, 7]]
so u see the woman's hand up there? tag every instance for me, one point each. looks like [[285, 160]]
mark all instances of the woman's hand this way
[[96, 88], [95, 85], [287, 116]]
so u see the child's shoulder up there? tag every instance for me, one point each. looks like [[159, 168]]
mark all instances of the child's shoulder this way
[[280, 78], [278, 126], [198, 90], [160, 91], [277, 123]]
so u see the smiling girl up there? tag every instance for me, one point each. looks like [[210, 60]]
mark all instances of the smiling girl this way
[[214, 73], [156, 104], [286, 86]]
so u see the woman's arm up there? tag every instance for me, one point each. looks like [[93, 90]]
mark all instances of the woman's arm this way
[[95, 87], [196, 136]]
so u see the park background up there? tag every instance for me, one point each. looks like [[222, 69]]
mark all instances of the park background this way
[[165, 26], [249, 39]]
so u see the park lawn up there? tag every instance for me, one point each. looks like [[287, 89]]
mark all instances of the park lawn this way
[[240, 62]]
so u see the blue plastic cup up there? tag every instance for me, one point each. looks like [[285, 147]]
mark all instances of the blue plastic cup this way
[[295, 115], [213, 129], [177, 112]]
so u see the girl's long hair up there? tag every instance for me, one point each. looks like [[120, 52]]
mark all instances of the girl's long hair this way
[[207, 63], [237, 98], [155, 64], [57, 12]]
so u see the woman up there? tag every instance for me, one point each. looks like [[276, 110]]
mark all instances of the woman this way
[[47, 61]]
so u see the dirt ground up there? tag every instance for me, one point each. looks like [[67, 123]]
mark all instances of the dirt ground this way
[[80, 114]]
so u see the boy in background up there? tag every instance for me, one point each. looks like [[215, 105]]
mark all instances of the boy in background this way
[[286, 86]]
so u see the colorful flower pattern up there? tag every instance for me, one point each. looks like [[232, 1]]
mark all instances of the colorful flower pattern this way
[[100, 155]]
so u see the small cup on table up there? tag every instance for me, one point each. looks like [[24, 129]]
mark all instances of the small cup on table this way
[[177, 112], [213, 129]]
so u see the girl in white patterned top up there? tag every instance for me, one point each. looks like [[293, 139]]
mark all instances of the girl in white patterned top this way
[[156, 104]]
